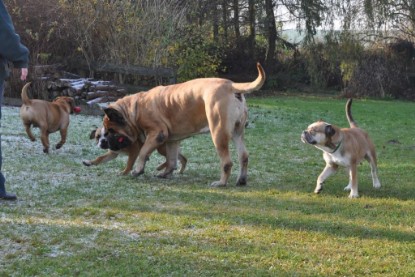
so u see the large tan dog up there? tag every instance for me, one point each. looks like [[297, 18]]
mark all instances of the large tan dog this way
[[342, 147], [50, 117], [130, 149], [169, 114]]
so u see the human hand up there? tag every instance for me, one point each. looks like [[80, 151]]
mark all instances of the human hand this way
[[24, 74]]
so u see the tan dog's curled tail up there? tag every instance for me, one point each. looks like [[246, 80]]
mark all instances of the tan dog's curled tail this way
[[349, 116], [253, 86], [25, 99]]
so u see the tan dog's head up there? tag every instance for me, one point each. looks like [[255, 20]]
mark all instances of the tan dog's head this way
[[319, 133], [67, 101]]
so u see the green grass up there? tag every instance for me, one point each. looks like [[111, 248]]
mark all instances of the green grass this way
[[72, 220]]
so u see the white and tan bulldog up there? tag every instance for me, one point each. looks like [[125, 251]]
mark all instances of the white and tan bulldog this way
[[169, 114], [342, 147], [122, 145]]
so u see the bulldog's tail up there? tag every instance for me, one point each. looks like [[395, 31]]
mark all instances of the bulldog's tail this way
[[349, 116], [255, 85], [25, 99]]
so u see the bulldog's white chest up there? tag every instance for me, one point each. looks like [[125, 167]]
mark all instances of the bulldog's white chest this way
[[337, 158]]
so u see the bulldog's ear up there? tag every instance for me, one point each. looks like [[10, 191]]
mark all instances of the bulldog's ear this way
[[329, 131], [92, 134], [114, 116]]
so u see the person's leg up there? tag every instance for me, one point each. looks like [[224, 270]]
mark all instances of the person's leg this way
[[3, 194]]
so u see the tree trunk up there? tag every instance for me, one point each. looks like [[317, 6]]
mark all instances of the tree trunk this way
[[215, 17], [251, 10], [236, 19], [271, 33], [225, 20]]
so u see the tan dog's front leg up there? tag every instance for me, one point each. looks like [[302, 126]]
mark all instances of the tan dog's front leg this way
[[327, 172], [63, 132], [153, 140]]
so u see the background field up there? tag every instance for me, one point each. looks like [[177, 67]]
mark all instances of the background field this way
[[72, 220]]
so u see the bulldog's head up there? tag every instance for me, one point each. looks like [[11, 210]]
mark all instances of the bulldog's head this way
[[109, 140], [117, 130], [100, 135], [319, 133]]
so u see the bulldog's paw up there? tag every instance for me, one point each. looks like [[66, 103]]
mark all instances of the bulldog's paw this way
[[348, 187], [376, 184], [136, 173], [353, 195], [318, 188], [218, 184], [87, 163]]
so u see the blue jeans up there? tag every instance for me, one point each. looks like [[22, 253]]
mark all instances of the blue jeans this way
[[2, 179]]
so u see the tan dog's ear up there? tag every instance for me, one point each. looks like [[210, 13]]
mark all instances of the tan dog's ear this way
[[115, 116], [92, 134]]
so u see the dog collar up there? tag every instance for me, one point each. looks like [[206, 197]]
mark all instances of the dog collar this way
[[337, 146]]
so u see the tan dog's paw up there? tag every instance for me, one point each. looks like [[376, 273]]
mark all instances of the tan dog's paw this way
[[241, 182], [348, 187]]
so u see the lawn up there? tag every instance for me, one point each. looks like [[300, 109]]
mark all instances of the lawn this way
[[72, 220]]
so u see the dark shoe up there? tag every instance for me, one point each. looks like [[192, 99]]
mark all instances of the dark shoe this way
[[8, 196]]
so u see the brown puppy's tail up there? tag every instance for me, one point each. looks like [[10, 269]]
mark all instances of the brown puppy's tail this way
[[25, 99], [352, 123], [255, 85]]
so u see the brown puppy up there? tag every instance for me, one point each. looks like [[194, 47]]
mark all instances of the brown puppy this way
[[50, 117], [342, 147], [169, 114], [131, 149]]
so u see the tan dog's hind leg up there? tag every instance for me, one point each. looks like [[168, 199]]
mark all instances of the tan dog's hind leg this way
[[243, 160], [327, 172], [29, 132], [221, 142]]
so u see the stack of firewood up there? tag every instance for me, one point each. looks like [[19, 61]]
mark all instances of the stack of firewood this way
[[87, 90]]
